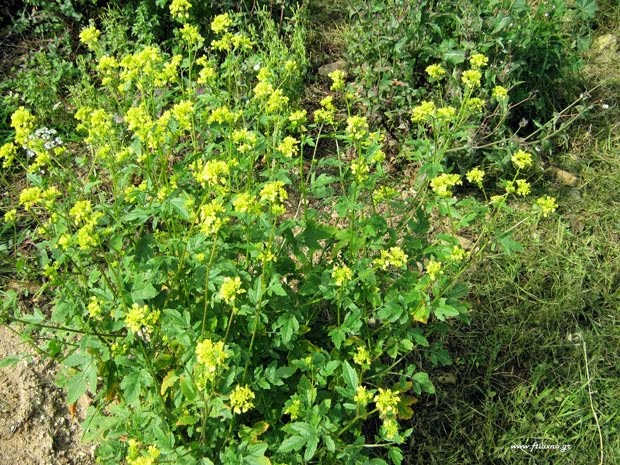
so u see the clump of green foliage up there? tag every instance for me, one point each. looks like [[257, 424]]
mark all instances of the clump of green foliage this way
[[228, 291]]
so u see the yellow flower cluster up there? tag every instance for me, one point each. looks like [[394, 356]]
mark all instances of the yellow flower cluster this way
[[478, 61], [81, 211], [500, 93], [471, 78], [179, 9], [433, 268], [7, 153], [23, 123], [338, 76], [289, 147], [383, 193], [519, 187], [210, 217], [387, 402], [211, 355], [475, 176], [294, 408], [442, 185], [297, 119], [436, 72], [213, 173], [207, 73], [90, 36], [475, 104], [446, 114], [362, 357], [341, 275], [390, 429], [362, 396], [325, 114], [10, 216], [244, 140], [107, 67], [223, 115], [30, 196], [141, 318], [424, 112], [191, 35], [277, 101], [244, 203], [241, 399], [273, 192], [230, 289], [183, 113], [521, 159], [394, 257], [98, 123], [457, 254], [546, 205], [357, 128], [151, 456], [94, 308], [221, 23], [360, 169]]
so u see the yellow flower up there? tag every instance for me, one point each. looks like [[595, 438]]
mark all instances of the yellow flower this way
[[179, 9], [475, 104], [30, 196], [478, 61], [341, 275], [471, 78], [149, 458], [357, 128], [293, 409], [288, 147], [394, 257], [222, 115], [241, 399], [362, 357], [521, 159], [442, 185], [435, 71], [8, 152], [23, 123], [457, 254], [244, 203], [141, 318], [475, 176], [211, 355], [499, 93], [10, 216], [90, 36], [446, 114], [523, 187], [273, 192], [221, 23], [362, 396], [387, 402], [210, 217], [191, 35], [546, 205], [230, 289], [390, 429], [94, 308], [424, 112], [360, 169], [338, 76], [433, 268], [81, 211], [277, 101]]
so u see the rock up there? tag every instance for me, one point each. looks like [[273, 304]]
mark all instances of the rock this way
[[331, 67], [564, 177]]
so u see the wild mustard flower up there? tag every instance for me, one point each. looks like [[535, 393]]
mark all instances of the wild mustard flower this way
[[241, 399], [211, 219], [191, 35], [183, 112], [475, 104], [341, 275], [424, 112], [458, 254], [546, 205], [523, 187], [478, 61], [357, 128], [442, 185], [446, 114], [273, 192], [179, 9], [434, 269], [244, 140], [150, 458], [243, 42], [10, 216], [244, 202], [221, 23], [289, 147], [211, 355], [499, 93], [224, 43], [107, 67], [362, 396], [222, 115], [390, 429], [90, 36], [263, 89], [394, 257], [293, 408], [297, 119], [230, 289], [436, 72], [30, 196], [383, 193], [141, 318], [338, 76], [362, 357], [277, 101], [94, 308], [360, 169], [81, 211], [387, 402], [23, 122], [471, 78], [475, 176], [7, 153], [521, 159], [139, 121], [326, 113], [207, 73]]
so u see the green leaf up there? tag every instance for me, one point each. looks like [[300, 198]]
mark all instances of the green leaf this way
[[9, 361], [509, 244], [443, 310], [291, 443], [395, 455], [132, 385], [338, 336], [421, 382], [311, 446], [350, 376], [288, 326]]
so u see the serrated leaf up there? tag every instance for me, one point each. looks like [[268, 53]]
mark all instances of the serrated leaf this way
[[423, 382], [291, 443], [169, 380], [313, 442], [421, 314], [132, 385]]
